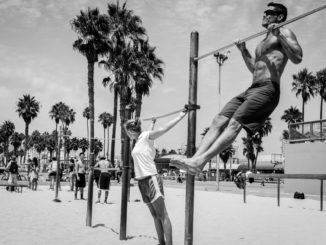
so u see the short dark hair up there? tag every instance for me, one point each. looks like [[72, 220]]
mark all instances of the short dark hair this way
[[280, 8]]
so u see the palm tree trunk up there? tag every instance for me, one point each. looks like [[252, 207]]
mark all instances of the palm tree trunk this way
[[26, 140], [107, 147], [114, 128], [91, 108], [138, 105], [56, 138], [104, 140], [321, 108], [87, 138]]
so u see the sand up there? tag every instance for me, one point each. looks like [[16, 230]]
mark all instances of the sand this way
[[31, 217]]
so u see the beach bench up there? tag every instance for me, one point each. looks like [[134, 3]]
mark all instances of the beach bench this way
[[19, 185]]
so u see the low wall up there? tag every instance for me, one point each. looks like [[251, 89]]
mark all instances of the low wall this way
[[304, 158]]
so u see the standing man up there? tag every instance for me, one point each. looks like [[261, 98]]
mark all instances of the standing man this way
[[250, 109], [80, 176], [103, 180]]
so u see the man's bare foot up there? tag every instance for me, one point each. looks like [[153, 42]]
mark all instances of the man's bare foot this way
[[185, 165]]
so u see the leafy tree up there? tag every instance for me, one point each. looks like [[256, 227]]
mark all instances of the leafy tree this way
[[83, 144], [27, 108], [303, 86], [7, 129], [16, 141]]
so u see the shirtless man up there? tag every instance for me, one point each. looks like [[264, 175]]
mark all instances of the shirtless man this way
[[103, 180], [250, 109]]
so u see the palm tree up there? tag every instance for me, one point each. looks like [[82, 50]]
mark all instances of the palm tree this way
[[16, 140], [304, 86], [226, 154], [257, 138], [86, 114], [321, 88], [6, 131], [27, 108], [56, 113], [92, 29], [106, 120], [98, 146], [150, 68], [292, 115], [248, 149], [126, 32], [75, 143], [50, 143], [83, 144]]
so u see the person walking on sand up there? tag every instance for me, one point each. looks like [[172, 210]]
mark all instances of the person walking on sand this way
[[149, 182], [80, 176], [250, 109], [72, 174], [104, 178], [34, 174], [12, 168]]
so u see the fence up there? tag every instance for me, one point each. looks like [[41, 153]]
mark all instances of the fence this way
[[320, 177], [307, 131]]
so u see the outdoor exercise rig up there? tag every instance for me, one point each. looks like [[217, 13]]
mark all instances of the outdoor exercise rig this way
[[191, 138], [193, 73]]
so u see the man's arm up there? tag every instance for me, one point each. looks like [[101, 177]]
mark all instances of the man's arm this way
[[248, 59], [289, 43]]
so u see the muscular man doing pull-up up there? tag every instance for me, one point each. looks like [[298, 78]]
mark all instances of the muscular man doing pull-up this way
[[250, 109]]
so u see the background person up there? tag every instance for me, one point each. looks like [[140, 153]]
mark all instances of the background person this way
[[103, 181], [149, 182], [34, 171], [80, 176], [12, 168]]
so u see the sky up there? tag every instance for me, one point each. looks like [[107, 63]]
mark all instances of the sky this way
[[37, 59]]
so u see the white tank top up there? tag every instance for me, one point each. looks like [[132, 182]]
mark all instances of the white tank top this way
[[143, 155]]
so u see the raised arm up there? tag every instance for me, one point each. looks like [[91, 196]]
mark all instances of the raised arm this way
[[160, 131], [289, 43], [248, 59]]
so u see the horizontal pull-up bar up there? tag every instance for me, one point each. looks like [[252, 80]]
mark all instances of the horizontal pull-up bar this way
[[186, 108], [261, 33]]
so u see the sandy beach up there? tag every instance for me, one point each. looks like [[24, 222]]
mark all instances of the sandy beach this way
[[31, 217]]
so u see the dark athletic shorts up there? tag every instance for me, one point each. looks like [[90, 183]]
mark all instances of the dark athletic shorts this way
[[97, 174], [252, 107], [82, 181], [151, 188], [104, 182]]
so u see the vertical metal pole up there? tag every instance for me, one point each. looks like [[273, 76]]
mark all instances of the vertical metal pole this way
[[321, 194], [278, 191], [191, 143], [244, 191], [125, 185]]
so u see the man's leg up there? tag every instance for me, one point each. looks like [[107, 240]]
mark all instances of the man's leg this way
[[216, 128], [98, 196], [106, 196], [197, 162]]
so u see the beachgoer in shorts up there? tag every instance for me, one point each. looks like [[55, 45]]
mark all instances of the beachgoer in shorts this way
[[103, 179], [80, 176], [149, 182]]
